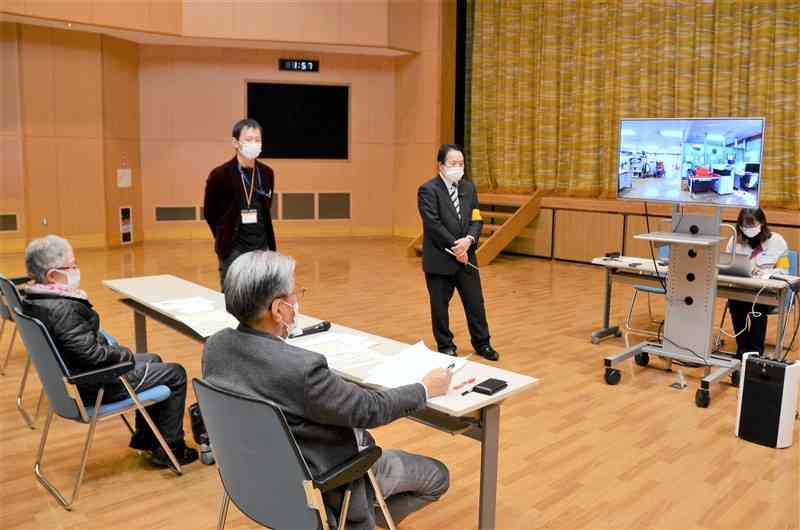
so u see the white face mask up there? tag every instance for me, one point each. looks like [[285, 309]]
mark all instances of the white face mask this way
[[73, 277], [250, 150], [453, 174], [751, 231], [293, 328]]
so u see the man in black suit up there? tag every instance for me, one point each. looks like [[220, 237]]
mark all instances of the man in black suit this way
[[452, 224]]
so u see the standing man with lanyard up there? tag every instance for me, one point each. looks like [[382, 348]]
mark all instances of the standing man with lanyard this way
[[238, 198], [452, 224]]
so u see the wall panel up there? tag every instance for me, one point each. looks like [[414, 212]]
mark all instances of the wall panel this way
[[133, 14], [37, 84], [537, 238], [636, 224], [121, 135], [62, 119], [12, 181], [166, 16], [43, 205], [191, 97], [80, 185], [72, 10], [77, 85], [581, 236]]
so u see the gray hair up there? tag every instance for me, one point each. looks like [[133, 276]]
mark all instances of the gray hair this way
[[45, 254], [254, 280]]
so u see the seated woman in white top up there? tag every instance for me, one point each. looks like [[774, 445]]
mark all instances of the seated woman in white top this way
[[768, 252]]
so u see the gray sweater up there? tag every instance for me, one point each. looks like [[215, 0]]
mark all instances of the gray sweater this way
[[322, 408]]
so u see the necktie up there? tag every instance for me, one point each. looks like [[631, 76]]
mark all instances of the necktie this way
[[454, 198]]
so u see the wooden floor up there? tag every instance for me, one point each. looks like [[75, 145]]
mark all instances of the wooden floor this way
[[575, 453]]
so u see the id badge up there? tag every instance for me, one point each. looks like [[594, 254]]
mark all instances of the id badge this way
[[249, 217]]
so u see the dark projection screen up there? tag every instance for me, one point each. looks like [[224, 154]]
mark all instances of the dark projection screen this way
[[301, 121]]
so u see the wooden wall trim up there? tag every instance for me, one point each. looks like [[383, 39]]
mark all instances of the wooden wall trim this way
[[776, 216]]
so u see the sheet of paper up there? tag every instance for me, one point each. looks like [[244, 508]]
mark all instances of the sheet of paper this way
[[199, 314], [333, 339], [410, 366], [194, 304], [208, 323], [344, 351], [124, 177]]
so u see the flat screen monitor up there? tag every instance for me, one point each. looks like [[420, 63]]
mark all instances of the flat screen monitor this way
[[301, 120], [711, 161]]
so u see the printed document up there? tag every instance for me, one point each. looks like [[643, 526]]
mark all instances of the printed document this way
[[344, 352], [199, 314], [410, 366]]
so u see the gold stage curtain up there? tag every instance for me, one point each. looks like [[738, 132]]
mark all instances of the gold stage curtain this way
[[548, 81]]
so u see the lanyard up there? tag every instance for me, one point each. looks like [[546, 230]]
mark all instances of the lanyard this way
[[249, 195]]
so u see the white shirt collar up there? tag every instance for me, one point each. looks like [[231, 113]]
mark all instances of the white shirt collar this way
[[447, 184]]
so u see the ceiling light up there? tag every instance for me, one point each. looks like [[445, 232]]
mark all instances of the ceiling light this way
[[671, 133]]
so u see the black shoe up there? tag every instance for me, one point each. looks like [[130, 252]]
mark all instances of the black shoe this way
[[183, 454], [143, 442], [488, 353], [448, 351]]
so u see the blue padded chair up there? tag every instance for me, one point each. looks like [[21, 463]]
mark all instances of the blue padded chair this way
[[627, 328], [64, 401], [13, 301], [262, 469]]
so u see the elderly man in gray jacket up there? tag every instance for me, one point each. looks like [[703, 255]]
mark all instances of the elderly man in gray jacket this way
[[325, 413]]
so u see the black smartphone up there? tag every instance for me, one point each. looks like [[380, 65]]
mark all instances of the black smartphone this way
[[490, 386]]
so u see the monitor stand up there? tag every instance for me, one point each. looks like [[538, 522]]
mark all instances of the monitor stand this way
[[691, 293]]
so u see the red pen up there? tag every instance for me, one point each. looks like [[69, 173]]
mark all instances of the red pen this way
[[465, 383]]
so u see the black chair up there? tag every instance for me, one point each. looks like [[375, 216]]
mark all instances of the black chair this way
[[261, 467], [6, 308], [5, 316], [65, 402], [13, 301]]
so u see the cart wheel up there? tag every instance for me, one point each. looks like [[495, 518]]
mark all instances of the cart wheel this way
[[207, 458], [595, 340], [735, 376], [618, 333], [702, 398], [642, 359], [612, 376]]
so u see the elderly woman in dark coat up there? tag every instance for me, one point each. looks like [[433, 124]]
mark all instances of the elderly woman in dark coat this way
[[56, 299]]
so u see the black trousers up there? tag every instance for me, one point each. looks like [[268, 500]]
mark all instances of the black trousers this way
[[224, 265], [752, 340], [440, 289], [150, 372]]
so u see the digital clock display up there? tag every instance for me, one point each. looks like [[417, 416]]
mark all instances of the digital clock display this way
[[298, 65]]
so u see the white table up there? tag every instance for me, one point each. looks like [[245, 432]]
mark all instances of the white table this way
[[473, 415], [642, 271]]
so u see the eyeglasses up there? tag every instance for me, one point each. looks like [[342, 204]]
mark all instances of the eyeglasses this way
[[297, 293], [66, 268]]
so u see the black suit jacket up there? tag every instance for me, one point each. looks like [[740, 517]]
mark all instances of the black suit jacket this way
[[321, 408], [442, 226], [223, 200]]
